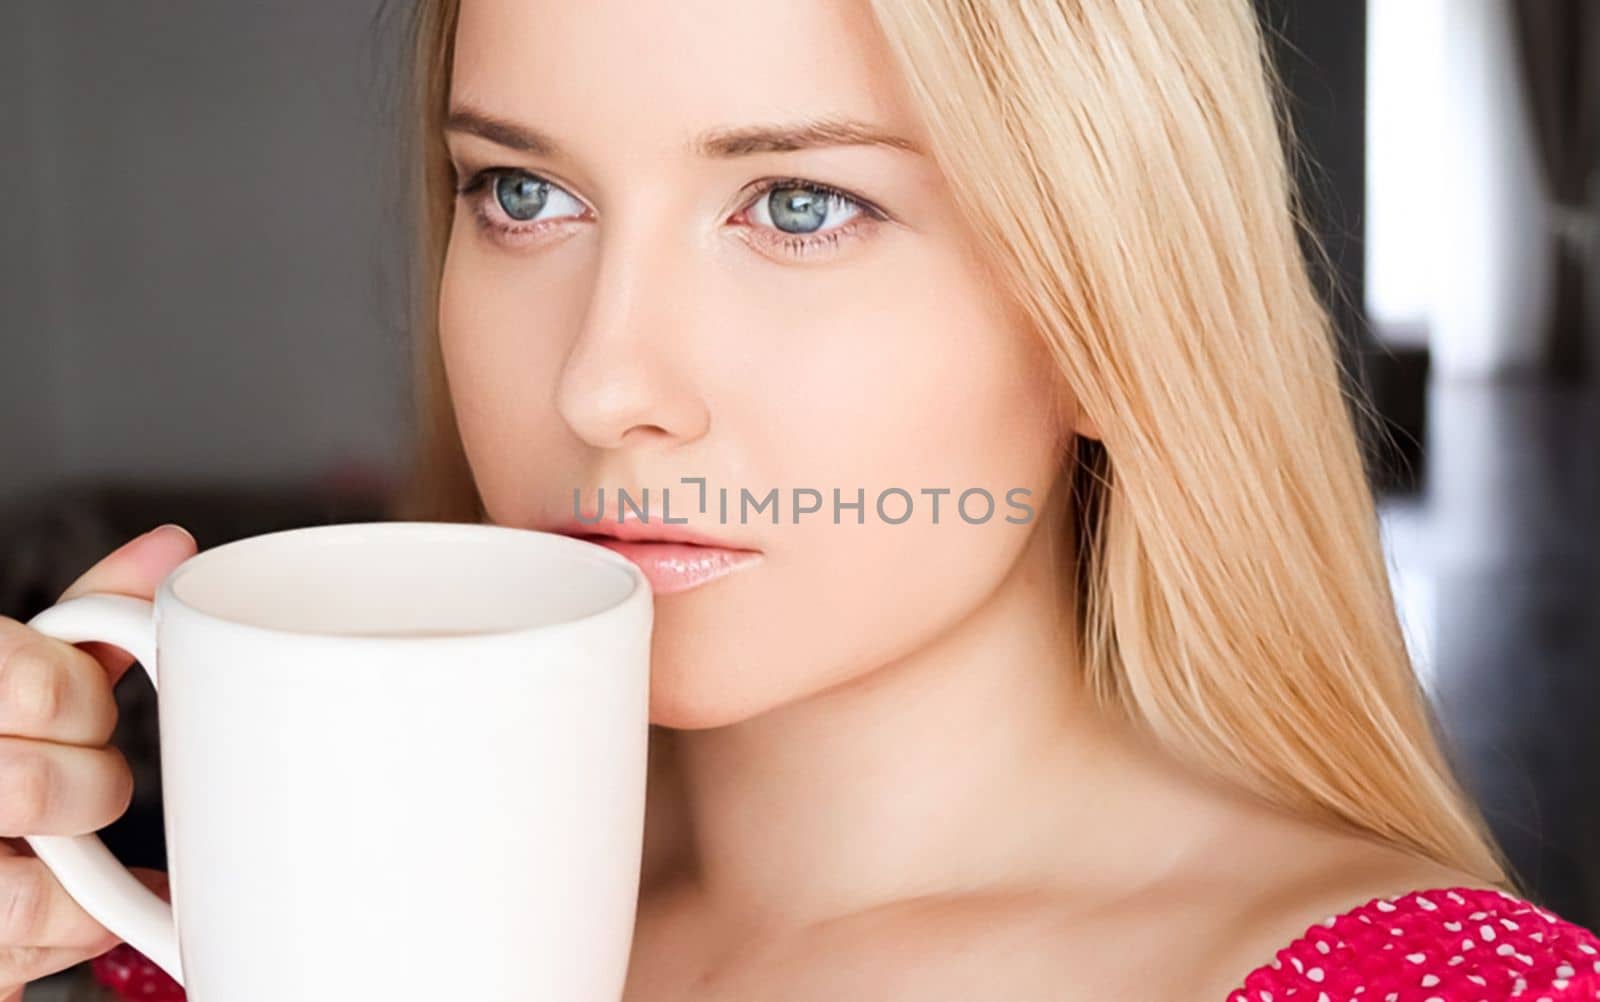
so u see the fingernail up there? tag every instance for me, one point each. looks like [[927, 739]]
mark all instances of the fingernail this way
[[170, 527]]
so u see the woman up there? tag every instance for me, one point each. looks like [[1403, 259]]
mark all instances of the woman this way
[[1158, 738]]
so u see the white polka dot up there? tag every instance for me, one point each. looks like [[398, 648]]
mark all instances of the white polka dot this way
[[1399, 926]]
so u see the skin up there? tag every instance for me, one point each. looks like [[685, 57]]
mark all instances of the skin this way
[[57, 774], [875, 775]]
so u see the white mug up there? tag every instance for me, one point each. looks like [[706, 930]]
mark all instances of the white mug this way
[[400, 761]]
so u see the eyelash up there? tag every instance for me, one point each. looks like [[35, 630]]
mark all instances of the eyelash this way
[[479, 187]]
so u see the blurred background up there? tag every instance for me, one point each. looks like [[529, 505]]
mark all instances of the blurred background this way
[[203, 273]]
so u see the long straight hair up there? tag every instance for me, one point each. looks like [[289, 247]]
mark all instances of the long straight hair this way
[[1124, 162]]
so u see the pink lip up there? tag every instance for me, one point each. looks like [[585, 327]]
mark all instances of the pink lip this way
[[672, 557], [673, 567]]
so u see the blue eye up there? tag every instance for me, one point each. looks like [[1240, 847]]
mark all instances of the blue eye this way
[[797, 210], [801, 209], [520, 196], [507, 201], [791, 215]]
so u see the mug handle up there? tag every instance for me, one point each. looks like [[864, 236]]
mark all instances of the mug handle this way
[[86, 868]]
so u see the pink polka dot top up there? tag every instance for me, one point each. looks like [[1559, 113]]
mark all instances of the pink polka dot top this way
[[1452, 944]]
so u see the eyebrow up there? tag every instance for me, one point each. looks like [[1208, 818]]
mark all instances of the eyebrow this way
[[716, 143]]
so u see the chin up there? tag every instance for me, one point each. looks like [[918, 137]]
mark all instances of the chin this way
[[700, 701], [685, 709], [697, 699]]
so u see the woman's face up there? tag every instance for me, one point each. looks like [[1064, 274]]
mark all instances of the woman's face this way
[[683, 300]]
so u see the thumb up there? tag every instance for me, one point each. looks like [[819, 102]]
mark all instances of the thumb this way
[[136, 568]]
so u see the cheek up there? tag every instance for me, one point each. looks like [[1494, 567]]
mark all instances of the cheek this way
[[947, 395], [920, 380], [502, 336], [883, 393]]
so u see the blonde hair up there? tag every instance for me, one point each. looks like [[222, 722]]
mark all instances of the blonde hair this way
[[1124, 164]]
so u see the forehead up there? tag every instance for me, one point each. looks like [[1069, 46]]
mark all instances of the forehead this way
[[659, 71]]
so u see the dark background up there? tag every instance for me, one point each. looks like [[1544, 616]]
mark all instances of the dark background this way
[[203, 280], [1486, 457]]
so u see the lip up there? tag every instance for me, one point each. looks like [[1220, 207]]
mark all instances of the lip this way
[[673, 558], [645, 532]]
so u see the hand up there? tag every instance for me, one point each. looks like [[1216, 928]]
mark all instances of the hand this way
[[57, 774]]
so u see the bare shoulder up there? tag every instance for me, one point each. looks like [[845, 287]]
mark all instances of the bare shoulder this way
[[1261, 883], [1194, 935], [1305, 875], [1190, 937]]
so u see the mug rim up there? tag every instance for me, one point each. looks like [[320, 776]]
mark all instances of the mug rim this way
[[167, 596]]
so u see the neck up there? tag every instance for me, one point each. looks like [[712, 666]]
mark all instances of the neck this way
[[976, 764]]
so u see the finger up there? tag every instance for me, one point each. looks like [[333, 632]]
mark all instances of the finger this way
[[51, 690], [51, 789], [35, 910], [22, 964], [138, 566], [135, 568]]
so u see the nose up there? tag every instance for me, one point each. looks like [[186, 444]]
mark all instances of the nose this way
[[626, 379]]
